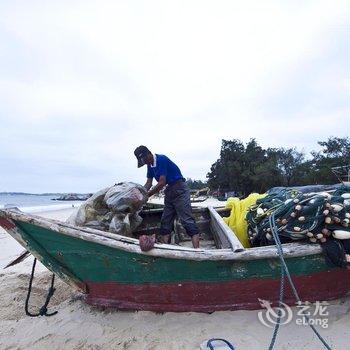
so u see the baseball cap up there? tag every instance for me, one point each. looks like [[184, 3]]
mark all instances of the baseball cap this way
[[140, 152]]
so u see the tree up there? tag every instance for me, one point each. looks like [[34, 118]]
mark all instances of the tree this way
[[250, 168], [335, 152], [195, 184], [243, 169], [288, 162]]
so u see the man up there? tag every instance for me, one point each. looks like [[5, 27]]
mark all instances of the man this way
[[177, 195]]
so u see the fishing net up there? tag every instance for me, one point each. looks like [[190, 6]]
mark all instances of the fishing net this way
[[114, 209], [237, 219], [301, 215]]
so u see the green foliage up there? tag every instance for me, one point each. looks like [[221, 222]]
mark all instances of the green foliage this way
[[250, 168], [195, 184]]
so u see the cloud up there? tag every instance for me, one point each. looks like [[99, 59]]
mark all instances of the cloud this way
[[83, 83]]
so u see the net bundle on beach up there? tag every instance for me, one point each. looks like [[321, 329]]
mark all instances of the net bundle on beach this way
[[313, 216], [114, 209]]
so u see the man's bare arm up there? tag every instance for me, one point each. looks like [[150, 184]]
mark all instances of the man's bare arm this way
[[161, 183], [148, 184]]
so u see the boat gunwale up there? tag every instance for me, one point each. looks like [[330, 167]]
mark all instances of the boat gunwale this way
[[116, 241]]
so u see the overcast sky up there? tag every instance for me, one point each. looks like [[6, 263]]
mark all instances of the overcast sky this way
[[82, 83]]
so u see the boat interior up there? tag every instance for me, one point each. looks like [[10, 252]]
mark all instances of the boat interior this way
[[214, 233]]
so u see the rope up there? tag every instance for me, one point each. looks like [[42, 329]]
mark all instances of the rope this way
[[43, 309], [281, 296], [286, 270], [209, 343]]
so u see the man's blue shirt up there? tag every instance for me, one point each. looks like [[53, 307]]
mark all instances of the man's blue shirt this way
[[163, 166]]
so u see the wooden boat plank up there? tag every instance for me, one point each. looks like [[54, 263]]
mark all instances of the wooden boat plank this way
[[167, 278], [41, 254], [224, 232], [162, 250], [22, 256]]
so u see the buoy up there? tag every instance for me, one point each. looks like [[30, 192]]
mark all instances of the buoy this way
[[326, 212], [347, 215], [319, 236], [313, 240], [336, 219], [336, 207], [296, 200], [327, 220], [301, 218], [341, 234], [310, 234], [325, 231], [293, 214], [260, 211], [284, 221], [296, 228], [298, 207]]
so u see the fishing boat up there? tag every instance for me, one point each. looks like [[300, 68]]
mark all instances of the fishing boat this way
[[199, 199], [112, 271]]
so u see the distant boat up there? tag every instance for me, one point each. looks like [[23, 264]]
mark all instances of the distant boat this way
[[199, 199], [112, 271], [200, 195]]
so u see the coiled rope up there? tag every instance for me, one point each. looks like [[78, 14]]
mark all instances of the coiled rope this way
[[43, 309], [210, 345]]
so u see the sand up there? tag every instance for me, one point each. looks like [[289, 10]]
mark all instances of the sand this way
[[79, 326]]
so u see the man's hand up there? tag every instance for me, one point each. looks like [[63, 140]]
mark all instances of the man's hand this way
[[161, 183], [148, 184]]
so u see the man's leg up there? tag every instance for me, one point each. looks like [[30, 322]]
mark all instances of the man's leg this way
[[195, 240], [183, 209], [167, 220]]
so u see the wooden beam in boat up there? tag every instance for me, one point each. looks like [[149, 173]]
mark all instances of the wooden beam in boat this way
[[224, 232], [24, 255]]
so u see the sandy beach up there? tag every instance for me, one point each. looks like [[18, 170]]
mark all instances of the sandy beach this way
[[79, 326]]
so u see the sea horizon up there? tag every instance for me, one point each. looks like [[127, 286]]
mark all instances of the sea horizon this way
[[31, 203]]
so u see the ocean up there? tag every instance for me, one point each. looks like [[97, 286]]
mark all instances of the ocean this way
[[32, 203]]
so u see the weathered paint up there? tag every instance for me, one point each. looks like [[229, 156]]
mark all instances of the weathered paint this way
[[211, 296], [99, 263], [128, 280], [48, 260], [7, 224]]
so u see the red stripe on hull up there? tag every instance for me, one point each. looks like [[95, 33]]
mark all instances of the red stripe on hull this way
[[208, 296], [7, 224]]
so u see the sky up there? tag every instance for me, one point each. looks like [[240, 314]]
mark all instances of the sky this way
[[83, 83]]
